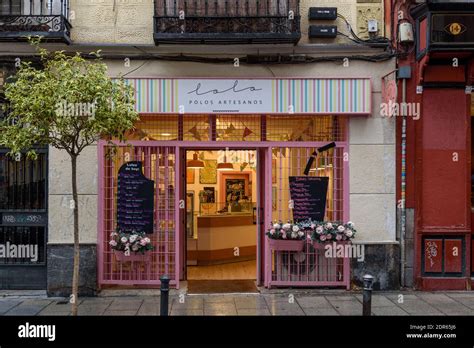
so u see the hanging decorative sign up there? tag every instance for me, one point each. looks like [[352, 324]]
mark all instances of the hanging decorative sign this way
[[135, 199], [449, 28], [308, 194]]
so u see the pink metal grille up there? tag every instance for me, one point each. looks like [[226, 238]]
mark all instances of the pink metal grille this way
[[284, 150], [158, 165], [309, 267]]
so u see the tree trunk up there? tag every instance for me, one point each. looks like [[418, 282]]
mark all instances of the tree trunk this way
[[75, 275]]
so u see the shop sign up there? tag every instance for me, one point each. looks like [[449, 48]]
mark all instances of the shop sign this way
[[252, 96], [452, 28], [308, 194], [135, 199], [226, 96]]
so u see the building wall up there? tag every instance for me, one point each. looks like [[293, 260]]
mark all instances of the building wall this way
[[111, 21], [372, 139], [372, 153]]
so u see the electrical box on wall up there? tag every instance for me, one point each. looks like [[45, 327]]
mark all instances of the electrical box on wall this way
[[372, 26], [322, 13], [405, 32], [322, 31]]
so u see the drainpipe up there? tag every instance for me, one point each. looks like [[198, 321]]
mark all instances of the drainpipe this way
[[403, 186]]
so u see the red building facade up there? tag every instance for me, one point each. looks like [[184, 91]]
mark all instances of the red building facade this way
[[434, 156]]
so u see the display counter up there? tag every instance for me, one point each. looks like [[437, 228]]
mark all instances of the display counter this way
[[224, 238]]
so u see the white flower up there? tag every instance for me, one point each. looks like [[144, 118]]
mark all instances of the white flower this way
[[296, 228], [147, 240], [276, 226], [340, 228], [300, 233], [294, 235], [329, 226], [113, 243], [350, 224], [135, 247], [287, 227], [124, 239], [319, 229], [133, 238], [349, 233]]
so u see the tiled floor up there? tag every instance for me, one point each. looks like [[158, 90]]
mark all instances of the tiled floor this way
[[269, 303], [234, 270]]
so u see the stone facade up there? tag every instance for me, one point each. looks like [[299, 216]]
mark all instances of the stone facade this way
[[109, 21], [110, 24]]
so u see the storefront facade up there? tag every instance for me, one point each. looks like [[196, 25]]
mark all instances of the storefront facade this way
[[282, 121], [435, 157], [255, 127], [265, 90]]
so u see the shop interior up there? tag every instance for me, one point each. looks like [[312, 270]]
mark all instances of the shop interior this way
[[221, 227]]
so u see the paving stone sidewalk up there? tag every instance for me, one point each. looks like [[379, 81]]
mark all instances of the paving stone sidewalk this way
[[288, 302]]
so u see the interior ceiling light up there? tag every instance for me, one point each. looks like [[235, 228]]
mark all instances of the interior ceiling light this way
[[195, 163], [225, 165]]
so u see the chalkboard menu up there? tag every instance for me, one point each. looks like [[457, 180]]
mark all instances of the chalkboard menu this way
[[135, 199], [308, 194]]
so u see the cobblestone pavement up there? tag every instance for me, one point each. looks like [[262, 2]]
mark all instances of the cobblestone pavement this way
[[287, 302]]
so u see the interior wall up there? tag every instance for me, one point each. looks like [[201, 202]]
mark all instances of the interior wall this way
[[196, 187]]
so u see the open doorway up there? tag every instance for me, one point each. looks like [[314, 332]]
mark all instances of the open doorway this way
[[221, 220]]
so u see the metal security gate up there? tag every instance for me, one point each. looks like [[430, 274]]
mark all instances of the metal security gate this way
[[23, 220], [158, 164]]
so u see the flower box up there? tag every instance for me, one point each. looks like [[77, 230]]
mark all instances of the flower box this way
[[121, 257], [286, 245]]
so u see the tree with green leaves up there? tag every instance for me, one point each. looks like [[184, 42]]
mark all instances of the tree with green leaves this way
[[69, 102]]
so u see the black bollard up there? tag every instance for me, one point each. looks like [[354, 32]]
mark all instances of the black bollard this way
[[367, 295], [165, 290]]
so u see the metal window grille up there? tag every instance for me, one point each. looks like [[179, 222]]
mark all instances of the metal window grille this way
[[23, 236], [23, 183], [309, 267], [240, 128], [158, 165]]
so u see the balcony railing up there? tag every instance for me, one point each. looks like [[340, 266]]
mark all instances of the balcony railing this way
[[227, 21], [22, 18]]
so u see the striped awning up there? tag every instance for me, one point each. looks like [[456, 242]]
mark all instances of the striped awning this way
[[278, 96]]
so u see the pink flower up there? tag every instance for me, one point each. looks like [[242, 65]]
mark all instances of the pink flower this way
[[147, 240], [308, 236], [322, 238], [135, 247], [328, 236], [143, 242], [272, 231], [113, 243], [283, 234], [313, 226], [339, 237]]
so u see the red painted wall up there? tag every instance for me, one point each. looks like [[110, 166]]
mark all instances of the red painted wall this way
[[444, 192]]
